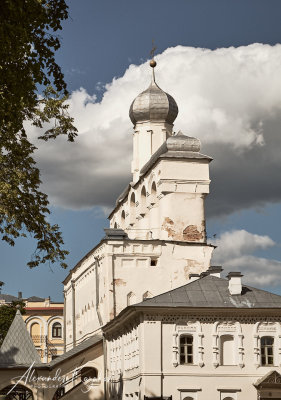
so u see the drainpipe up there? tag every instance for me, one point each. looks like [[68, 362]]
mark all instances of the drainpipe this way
[[73, 314], [113, 288], [161, 360], [64, 321], [98, 292], [104, 366]]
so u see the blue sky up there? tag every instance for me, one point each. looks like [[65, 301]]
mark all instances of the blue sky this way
[[100, 41]]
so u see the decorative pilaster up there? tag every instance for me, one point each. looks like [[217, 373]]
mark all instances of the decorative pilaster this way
[[240, 350], [215, 351], [256, 351], [175, 348], [200, 349]]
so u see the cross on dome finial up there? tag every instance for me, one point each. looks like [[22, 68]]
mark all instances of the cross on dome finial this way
[[153, 104], [152, 61], [152, 52]]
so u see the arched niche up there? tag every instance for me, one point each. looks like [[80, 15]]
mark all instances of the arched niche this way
[[35, 329], [227, 350], [88, 373], [19, 392], [131, 298], [147, 295], [222, 333]]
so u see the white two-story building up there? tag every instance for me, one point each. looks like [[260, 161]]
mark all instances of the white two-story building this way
[[212, 338]]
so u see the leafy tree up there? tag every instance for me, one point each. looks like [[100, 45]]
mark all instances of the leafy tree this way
[[32, 91], [7, 314]]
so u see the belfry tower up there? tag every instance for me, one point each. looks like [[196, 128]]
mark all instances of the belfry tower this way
[[170, 176], [157, 235]]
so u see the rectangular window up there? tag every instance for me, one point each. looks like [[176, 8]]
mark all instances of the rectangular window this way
[[186, 350], [267, 343]]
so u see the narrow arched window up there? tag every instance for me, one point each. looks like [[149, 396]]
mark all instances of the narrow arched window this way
[[267, 343], [143, 201], [132, 208], [186, 349], [123, 218], [153, 193], [227, 350], [133, 200], [56, 330]]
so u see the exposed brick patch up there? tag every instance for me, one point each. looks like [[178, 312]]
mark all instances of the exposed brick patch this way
[[191, 234]]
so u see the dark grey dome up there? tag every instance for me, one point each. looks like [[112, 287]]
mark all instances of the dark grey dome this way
[[153, 105]]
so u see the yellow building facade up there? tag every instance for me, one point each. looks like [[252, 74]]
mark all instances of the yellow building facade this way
[[44, 321]]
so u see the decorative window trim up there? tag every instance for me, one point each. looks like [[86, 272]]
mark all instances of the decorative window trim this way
[[232, 328], [190, 391], [267, 328], [226, 392], [191, 328]]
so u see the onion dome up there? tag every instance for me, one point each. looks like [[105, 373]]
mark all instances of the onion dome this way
[[153, 104]]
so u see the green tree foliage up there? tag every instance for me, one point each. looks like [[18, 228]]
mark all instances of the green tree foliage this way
[[7, 314], [32, 91]]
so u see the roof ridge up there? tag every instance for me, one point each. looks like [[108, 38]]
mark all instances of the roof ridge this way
[[211, 291]]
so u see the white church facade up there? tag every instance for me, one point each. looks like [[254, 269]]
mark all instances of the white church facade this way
[[157, 234], [146, 316]]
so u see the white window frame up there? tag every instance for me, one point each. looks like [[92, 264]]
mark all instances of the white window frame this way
[[273, 351], [272, 329], [190, 328], [186, 346]]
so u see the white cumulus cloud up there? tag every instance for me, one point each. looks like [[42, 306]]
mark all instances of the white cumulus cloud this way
[[230, 98], [235, 252]]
